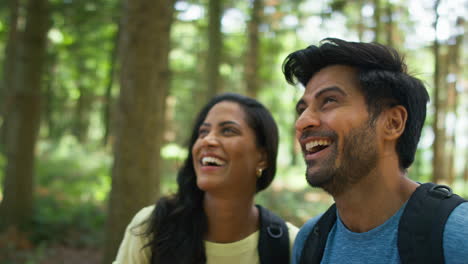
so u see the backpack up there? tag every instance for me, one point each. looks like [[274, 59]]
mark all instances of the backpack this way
[[420, 231], [273, 243]]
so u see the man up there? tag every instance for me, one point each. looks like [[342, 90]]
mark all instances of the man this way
[[359, 123]]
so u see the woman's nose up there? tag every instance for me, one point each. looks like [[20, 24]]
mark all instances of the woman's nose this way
[[211, 139]]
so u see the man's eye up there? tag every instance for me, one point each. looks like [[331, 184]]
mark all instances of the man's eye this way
[[300, 110], [328, 100]]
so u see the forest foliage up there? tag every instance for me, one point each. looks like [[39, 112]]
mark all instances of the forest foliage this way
[[214, 46]]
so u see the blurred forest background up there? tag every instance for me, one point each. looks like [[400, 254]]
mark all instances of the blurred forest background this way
[[97, 100]]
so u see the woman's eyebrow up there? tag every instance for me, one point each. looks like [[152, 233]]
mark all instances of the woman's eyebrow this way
[[228, 123]]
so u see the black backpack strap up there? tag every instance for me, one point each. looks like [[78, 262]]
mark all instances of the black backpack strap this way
[[273, 244], [421, 227], [313, 249]]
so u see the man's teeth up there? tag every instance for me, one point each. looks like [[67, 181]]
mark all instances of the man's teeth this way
[[211, 161], [312, 144]]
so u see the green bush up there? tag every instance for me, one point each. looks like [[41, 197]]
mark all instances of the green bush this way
[[62, 222], [72, 184]]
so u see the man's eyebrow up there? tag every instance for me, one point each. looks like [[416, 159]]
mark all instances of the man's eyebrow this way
[[330, 89]]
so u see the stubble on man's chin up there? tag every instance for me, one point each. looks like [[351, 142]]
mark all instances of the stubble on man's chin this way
[[329, 177], [359, 159], [334, 183]]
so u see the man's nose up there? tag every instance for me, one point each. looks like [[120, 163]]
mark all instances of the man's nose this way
[[307, 119]]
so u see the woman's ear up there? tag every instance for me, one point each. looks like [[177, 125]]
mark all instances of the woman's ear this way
[[263, 163], [394, 122]]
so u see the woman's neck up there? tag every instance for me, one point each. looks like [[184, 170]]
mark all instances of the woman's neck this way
[[230, 220]]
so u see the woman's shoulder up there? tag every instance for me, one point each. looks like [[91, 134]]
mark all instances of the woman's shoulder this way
[[292, 229], [144, 212], [141, 216]]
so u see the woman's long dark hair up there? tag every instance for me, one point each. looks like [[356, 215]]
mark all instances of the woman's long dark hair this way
[[178, 223]]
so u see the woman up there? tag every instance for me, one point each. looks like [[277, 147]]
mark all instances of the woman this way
[[212, 218]]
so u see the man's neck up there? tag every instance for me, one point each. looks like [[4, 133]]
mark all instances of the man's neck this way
[[374, 200]]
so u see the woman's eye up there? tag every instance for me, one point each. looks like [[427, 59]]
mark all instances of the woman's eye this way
[[228, 130], [202, 132]]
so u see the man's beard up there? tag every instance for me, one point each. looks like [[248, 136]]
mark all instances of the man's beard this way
[[358, 159]]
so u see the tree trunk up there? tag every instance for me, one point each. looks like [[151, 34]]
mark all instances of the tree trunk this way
[[454, 69], [465, 171], [6, 86], [82, 106], [213, 79], [108, 102], [252, 60], [361, 25], [377, 21], [144, 81], [389, 23], [49, 96], [24, 118], [439, 111]]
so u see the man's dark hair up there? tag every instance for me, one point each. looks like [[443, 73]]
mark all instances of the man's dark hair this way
[[383, 79]]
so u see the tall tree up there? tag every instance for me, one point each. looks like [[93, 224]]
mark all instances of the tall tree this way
[[377, 21], [438, 160], [213, 81], [108, 102], [455, 71], [251, 69], [83, 104], [465, 170], [144, 85], [361, 26], [49, 95], [9, 65], [389, 25], [24, 117]]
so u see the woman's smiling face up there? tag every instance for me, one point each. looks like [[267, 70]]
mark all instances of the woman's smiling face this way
[[225, 155]]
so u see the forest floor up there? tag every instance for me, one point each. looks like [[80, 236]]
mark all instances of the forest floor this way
[[52, 255], [61, 254], [71, 245], [16, 248]]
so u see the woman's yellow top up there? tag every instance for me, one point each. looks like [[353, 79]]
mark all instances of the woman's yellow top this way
[[244, 251]]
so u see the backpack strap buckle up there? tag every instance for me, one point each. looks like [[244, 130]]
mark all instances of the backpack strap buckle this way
[[275, 231], [273, 243], [441, 191]]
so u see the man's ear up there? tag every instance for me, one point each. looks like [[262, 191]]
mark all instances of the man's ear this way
[[394, 122]]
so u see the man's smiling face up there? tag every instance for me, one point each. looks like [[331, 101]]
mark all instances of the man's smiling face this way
[[333, 128]]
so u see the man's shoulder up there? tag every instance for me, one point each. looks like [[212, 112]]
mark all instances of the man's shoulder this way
[[458, 221], [301, 238], [460, 213], [305, 230], [455, 239], [309, 225]]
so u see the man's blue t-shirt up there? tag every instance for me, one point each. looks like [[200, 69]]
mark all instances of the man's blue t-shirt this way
[[379, 245]]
